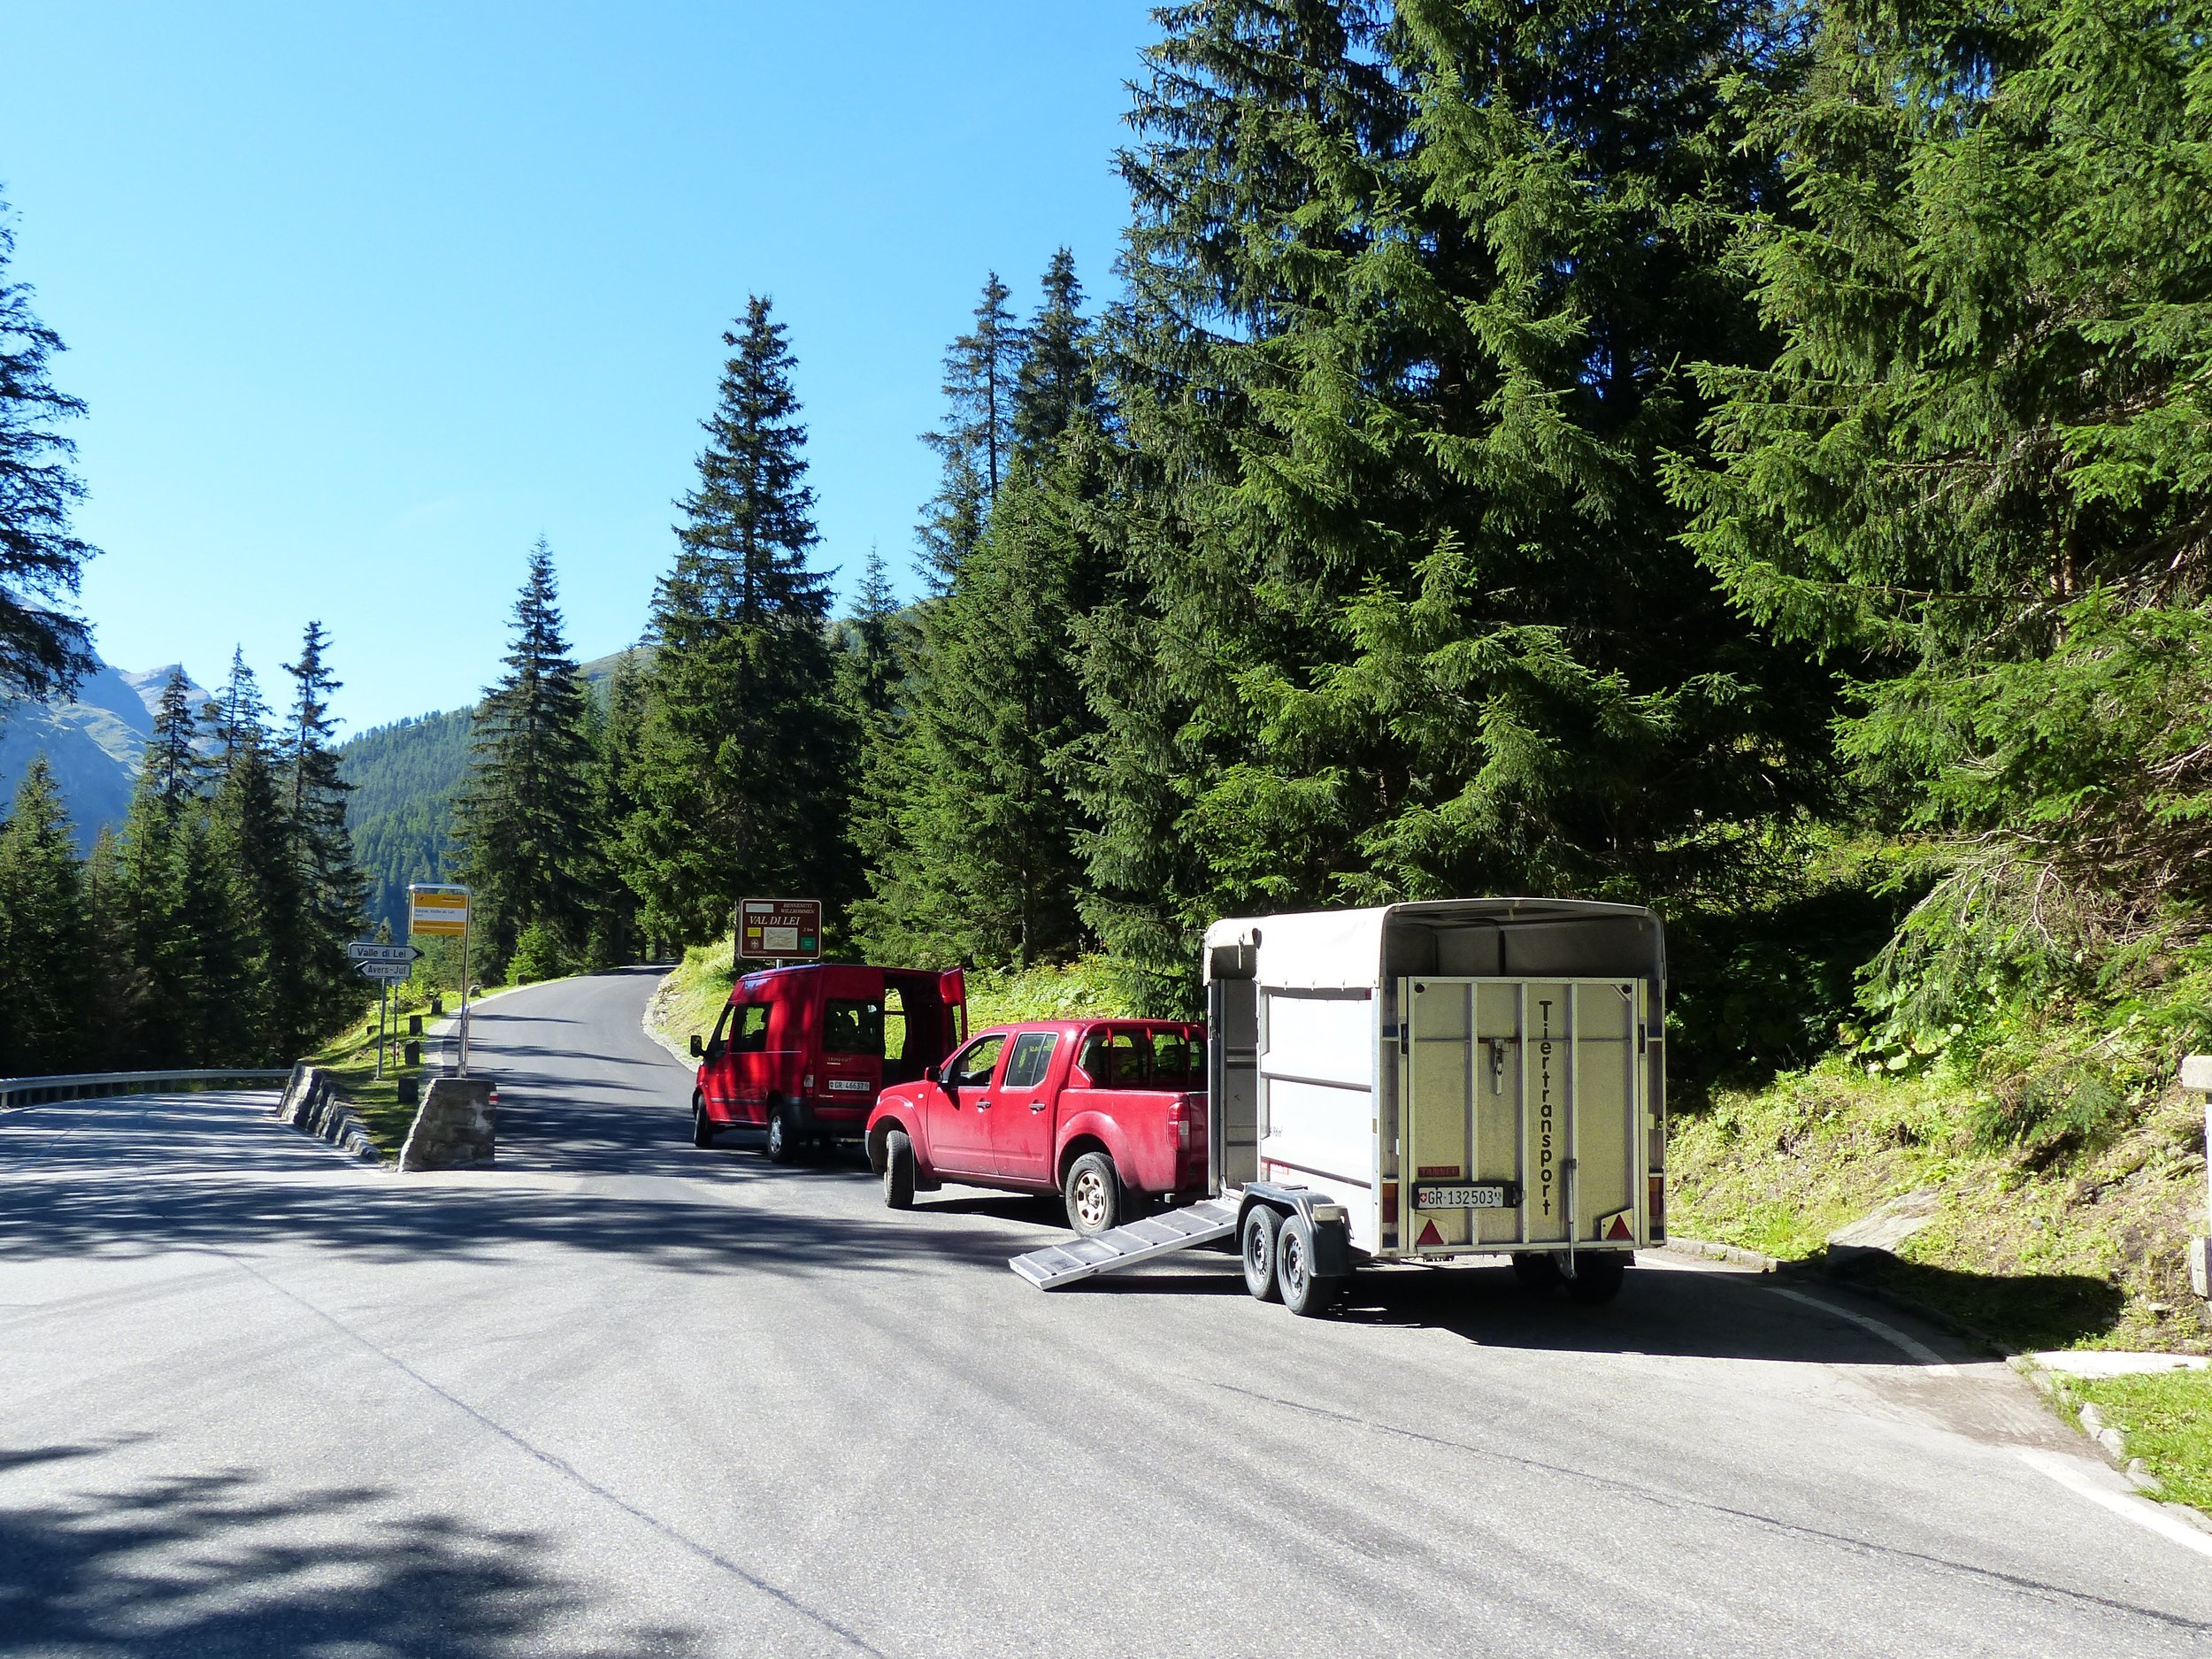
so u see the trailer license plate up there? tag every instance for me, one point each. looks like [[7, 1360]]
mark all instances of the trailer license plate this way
[[1490, 1197]]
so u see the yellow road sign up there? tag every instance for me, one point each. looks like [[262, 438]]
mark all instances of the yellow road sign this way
[[441, 909]]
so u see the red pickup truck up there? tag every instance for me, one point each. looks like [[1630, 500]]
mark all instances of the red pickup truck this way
[[1108, 1112]]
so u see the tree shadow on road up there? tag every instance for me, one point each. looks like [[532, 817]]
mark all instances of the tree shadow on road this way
[[1690, 1313], [207, 1564]]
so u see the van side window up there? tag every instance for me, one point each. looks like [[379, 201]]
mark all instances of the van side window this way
[[1033, 1053], [852, 1026], [721, 1030], [750, 1034]]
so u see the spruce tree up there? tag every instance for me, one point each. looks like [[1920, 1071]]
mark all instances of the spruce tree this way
[[976, 440], [43, 649], [316, 987], [1980, 471], [48, 955], [744, 751], [251, 840], [614, 727], [524, 817], [1401, 611], [977, 860]]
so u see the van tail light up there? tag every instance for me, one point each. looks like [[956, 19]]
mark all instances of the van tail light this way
[[1658, 1207]]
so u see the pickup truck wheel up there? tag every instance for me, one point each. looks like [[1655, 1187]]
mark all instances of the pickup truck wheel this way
[[1095, 1198], [702, 1127], [1257, 1243], [783, 1141], [1598, 1277], [898, 1171], [1303, 1291]]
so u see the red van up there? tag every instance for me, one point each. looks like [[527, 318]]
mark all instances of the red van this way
[[1111, 1113], [804, 1051]]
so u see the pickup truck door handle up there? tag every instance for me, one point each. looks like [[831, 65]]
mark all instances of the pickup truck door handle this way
[[1036, 1105], [984, 1104]]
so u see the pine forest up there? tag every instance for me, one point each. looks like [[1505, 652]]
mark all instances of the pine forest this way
[[1750, 459]]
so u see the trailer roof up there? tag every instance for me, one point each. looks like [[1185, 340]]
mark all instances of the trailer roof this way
[[1323, 949]]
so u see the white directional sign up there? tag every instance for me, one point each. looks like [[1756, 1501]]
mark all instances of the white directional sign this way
[[363, 950], [392, 972]]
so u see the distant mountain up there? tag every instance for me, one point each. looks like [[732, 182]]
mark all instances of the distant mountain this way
[[401, 811], [92, 743]]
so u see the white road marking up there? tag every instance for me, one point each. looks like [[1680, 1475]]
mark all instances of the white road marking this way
[[1936, 1364], [2070, 1474]]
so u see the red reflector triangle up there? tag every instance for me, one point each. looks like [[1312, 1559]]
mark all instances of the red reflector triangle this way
[[1430, 1235], [1619, 1229]]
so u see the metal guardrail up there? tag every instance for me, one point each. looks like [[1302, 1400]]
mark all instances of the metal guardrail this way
[[30, 1091]]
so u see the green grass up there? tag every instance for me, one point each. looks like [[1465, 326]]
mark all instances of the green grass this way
[[2084, 1249], [690, 998], [2166, 1419], [351, 1059]]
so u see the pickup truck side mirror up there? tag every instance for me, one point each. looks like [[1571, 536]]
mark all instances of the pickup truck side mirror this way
[[933, 1075], [698, 1046]]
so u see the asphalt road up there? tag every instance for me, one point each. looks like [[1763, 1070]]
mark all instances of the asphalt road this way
[[622, 1396]]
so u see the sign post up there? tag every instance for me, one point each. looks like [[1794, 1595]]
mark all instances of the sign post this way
[[443, 911], [386, 964], [779, 929]]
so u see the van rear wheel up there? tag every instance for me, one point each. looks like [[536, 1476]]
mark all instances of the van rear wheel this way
[[783, 1141]]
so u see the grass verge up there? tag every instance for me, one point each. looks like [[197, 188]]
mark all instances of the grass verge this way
[[2086, 1249], [351, 1059], [691, 995], [2165, 1418]]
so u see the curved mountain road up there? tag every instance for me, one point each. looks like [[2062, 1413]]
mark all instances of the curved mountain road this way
[[618, 1395]]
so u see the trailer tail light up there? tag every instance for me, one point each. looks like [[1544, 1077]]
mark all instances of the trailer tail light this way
[[1658, 1207], [1390, 1203]]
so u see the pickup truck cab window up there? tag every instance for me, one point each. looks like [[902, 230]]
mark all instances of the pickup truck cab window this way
[[1026, 1068], [1176, 1062], [852, 1026], [1113, 1059], [972, 1066]]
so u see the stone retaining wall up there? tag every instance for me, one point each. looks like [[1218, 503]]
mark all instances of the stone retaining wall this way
[[311, 1105], [455, 1127]]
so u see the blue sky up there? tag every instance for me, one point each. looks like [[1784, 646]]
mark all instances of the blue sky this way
[[366, 299]]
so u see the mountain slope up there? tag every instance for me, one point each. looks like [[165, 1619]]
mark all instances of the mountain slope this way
[[92, 743]]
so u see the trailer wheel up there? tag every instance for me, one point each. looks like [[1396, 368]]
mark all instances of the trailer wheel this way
[[1304, 1292], [898, 1171], [702, 1127], [1262, 1226], [1598, 1277], [1094, 1197], [1536, 1274], [783, 1141]]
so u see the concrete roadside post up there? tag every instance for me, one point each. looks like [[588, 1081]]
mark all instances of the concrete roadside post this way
[[2196, 1077]]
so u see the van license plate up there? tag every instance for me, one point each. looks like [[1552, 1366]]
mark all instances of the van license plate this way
[[1491, 1197]]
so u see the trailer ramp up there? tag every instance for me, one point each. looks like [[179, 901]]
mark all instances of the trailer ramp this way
[[1122, 1247]]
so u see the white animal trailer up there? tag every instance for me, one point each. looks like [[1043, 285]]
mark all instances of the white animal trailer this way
[[1421, 1082]]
